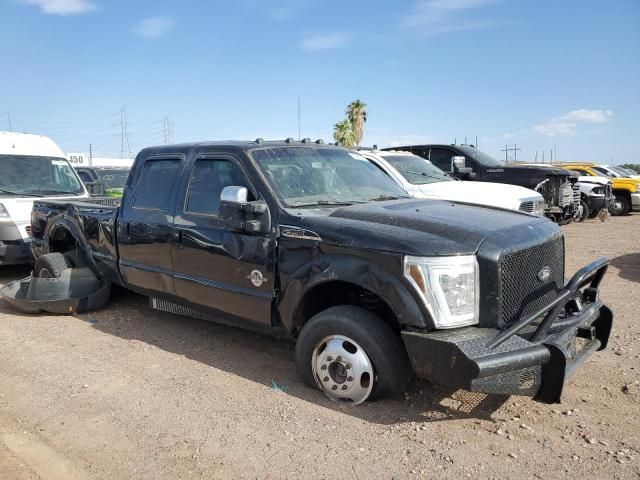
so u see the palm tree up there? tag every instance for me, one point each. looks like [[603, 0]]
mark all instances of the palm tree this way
[[343, 133], [357, 115]]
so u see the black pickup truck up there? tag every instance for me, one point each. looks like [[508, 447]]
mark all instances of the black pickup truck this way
[[313, 243], [556, 185]]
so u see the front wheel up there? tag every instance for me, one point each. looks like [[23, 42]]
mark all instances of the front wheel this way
[[352, 355], [620, 206]]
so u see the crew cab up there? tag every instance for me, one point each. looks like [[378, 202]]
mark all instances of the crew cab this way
[[556, 185], [314, 243], [31, 167], [421, 179]]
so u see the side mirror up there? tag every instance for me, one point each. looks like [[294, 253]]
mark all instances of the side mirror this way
[[458, 162], [238, 214], [459, 167], [95, 188]]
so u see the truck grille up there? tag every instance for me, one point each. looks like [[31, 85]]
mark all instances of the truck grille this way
[[522, 292], [565, 195], [576, 194]]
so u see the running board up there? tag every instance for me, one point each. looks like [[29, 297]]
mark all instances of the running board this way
[[170, 307], [177, 309]]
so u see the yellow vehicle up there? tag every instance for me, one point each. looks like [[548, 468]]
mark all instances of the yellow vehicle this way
[[626, 190]]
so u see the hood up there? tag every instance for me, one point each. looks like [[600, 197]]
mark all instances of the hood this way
[[598, 180], [414, 227], [525, 176], [490, 194]]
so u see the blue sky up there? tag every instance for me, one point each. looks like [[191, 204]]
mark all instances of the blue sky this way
[[536, 73]]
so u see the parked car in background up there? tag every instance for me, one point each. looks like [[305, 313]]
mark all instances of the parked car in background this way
[[625, 190], [111, 180], [421, 179], [31, 167], [562, 200], [314, 243], [621, 172]]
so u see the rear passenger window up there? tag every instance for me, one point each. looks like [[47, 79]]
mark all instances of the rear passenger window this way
[[156, 183], [208, 178]]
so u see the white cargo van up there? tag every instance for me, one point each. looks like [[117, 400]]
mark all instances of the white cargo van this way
[[31, 167]]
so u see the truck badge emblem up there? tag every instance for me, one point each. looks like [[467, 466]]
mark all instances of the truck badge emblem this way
[[256, 278], [544, 274]]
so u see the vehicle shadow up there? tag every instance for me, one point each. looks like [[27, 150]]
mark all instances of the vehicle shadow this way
[[264, 360], [628, 266], [270, 362]]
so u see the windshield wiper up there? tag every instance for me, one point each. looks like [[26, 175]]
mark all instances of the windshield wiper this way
[[20, 194], [54, 192], [386, 197], [326, 203]]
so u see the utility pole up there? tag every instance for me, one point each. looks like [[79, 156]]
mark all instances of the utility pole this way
[[9, 120], [299, 135], [90, 155], [166, 128], [124, 136], [511, 148]]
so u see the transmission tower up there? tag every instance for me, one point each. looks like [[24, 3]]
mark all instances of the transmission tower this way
[[511, 149], [124, 136]]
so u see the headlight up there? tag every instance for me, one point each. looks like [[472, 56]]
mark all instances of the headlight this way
[[538, 208], [3, 213], [448, 286]]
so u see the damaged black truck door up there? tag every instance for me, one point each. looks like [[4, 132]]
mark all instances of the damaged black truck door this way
[[219, 265], [146, 224]]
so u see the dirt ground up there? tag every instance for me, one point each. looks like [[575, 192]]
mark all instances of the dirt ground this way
[[130, 393]]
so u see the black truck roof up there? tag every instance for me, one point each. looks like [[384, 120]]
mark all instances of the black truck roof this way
[[243, 144]]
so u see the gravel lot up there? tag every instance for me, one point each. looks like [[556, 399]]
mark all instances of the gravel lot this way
[[131, 393]]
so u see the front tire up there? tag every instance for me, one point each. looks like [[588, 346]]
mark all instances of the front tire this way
[[585, 211], [620, 206], [352, 355]]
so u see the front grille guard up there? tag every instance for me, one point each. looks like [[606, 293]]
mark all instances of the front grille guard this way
[[566, 299]]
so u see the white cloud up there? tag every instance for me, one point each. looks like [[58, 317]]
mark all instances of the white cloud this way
[[154, 27], [434, 17], [567, 124], [62, 7], [323, 41]]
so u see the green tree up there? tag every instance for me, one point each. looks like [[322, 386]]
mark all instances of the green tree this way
[[357, 116], [343, 133]]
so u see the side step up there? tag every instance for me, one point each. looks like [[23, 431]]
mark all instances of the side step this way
[[171, 307]]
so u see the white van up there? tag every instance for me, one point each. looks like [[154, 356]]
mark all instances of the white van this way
[[421, 179], [31, 167]]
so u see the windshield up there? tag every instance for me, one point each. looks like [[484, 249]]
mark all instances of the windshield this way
[[28, 175], [310, 176], [113, 178], [625, 172], [480, 157], [605, 172], [416, 170]]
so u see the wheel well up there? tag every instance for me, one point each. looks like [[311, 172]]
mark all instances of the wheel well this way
[[623, 193], [330, 294], [62, 241]]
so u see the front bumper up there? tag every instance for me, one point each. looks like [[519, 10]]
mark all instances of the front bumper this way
[[532, 357], [14, 250], [635, 202]]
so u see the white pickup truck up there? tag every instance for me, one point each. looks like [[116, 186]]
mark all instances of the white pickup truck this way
[[421, 179], [31, 167]]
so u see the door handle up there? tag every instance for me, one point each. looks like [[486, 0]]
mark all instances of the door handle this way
[[179, 236]]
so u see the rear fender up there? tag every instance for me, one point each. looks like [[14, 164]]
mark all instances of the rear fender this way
[[73, 228]]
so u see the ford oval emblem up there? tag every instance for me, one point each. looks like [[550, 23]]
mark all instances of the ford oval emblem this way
[[544, 274]]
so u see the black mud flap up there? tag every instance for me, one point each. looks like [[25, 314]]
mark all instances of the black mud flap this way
[[76, 291]]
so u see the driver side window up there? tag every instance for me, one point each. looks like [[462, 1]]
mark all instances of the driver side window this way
[[208, 178]]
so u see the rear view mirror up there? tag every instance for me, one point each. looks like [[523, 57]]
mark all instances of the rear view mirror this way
[[239, 214]]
